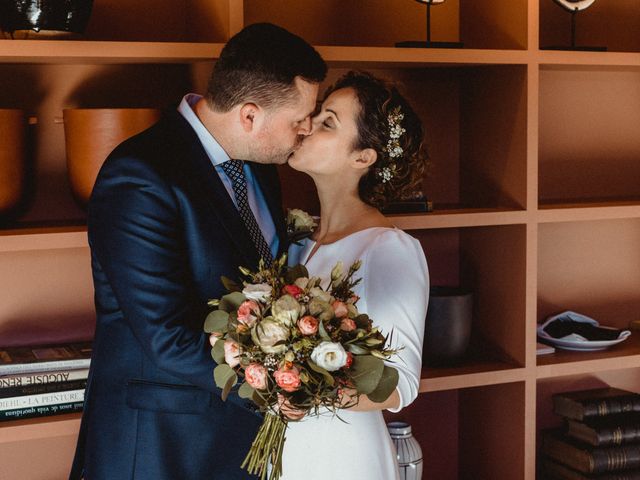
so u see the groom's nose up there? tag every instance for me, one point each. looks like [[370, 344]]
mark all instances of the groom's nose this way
[[305, 126]]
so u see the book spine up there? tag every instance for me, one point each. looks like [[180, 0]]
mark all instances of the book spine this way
[[42, 388], [606, 436], [41, 400], [44, 411], [41, 378], [617, 458], [611, 406], [49, 366]]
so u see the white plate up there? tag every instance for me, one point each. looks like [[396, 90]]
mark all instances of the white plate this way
[[578, 343]]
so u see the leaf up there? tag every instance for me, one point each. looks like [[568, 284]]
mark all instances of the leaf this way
[[372, 342], [323, 332], [327, 376], [229, 385], [357, 349], [230, 285], [246, 391], [295, 272], [222, 373], [386, 386], [366, 373], [216, 321], [217, 352], [230, 302]]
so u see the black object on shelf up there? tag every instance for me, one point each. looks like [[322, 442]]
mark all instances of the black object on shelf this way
[[44, 18], [573, 45], [428, 43]]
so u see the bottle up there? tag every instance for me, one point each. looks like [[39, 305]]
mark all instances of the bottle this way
[[408, 450]]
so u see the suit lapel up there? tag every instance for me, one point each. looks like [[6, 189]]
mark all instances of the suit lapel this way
[[206, 179]]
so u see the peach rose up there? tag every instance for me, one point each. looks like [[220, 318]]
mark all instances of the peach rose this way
[[256, 376], [288, 379], [308, 325], [347, 325], [247, 312], [340, 309], [213, 338], [231, 353]]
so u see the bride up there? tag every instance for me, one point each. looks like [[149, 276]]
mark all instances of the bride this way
[[363, 150]]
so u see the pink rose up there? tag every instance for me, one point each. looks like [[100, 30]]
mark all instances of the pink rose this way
[[231, 353], [308, 325], [349, 360], [288, 379], [256, 376], [247, 311], [293, 290], [213, 338], [340, 309], [347, 325]]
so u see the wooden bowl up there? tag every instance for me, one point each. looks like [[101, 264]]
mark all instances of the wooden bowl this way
[[13, 158], [92, 134]]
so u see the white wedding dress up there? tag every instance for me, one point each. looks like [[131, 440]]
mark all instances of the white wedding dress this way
[[394, 293]]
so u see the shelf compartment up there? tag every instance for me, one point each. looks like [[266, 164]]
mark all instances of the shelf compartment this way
[[589, 147], [450, 426], [589, 210], [562, 59], [499, 24], [48, 238], [612, 24], [488, 261]]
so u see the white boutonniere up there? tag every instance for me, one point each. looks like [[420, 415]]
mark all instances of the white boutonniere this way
[[299, 225]]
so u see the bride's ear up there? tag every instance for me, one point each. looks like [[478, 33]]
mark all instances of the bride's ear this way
[[366, 158]]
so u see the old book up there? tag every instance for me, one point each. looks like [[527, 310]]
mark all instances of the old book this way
[[44, 358], [40, 378], [43, 411], [42, 388], [586, 458], [42, 399], [598, 402], [606, 431], [556, 471]]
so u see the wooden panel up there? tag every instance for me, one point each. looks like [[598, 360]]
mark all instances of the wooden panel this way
[[589, 133], [39, 459], [495, 24]]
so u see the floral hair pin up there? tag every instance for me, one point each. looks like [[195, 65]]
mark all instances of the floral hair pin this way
[[393, 148]]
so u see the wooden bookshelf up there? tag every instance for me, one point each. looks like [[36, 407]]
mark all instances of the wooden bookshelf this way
[[534, 177]]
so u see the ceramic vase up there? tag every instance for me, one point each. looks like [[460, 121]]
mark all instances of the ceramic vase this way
[[407, 449], [92, 134], [13, 159]]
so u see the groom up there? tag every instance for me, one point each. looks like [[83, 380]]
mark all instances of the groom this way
[[171, 212]]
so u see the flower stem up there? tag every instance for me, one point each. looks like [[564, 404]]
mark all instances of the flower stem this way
[[267, 448]]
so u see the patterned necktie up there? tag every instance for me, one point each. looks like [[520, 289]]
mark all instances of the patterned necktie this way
[[233, 169]]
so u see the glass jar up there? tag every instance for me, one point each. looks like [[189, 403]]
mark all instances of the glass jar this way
[[408, 450]]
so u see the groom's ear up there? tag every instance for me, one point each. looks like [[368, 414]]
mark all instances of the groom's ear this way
[[248, 114], [366, 158]]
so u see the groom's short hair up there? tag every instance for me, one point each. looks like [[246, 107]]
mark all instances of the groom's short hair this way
[[259, 64]]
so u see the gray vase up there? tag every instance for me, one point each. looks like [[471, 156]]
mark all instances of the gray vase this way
[[408, 450], [448, 325]]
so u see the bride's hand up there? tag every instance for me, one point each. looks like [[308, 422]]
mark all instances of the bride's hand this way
[[289, 411], [354, 403]]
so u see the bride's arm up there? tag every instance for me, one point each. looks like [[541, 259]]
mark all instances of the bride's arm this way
[[396, 282]]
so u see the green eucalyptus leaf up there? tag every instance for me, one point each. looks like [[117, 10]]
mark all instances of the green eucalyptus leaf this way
[[228, 386], [246, 391], [230, 302], [296, 272], [230, 285], [222, 374], [366, 372], [327, 376], [216, 321], [323, 332], [386, 386], [217, 352], [357, 349]]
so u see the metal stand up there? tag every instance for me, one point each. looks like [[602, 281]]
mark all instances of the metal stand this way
[[429, 43], [573, 45]]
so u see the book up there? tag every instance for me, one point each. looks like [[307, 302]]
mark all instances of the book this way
[[39, 378], [14, 360], [598, 402], [557, 471], [605, 431], [23, 390], [41, 399], [43, 411], [544, 349], [586, 458]]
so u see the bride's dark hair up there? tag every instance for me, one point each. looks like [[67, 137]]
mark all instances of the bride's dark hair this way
[[394, 174]]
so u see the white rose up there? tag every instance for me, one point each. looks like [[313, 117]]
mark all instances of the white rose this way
[[301, 220], [286, 310], [320, 294], [260, 292], [267, 333], [330, 356], [301, 282]]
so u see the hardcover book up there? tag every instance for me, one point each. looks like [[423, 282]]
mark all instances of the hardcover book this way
[[44, 358], [606, 431], [41, 399], [36, 389], [43, 411], [586, 458], [557, 471], [598, 402], [40, 378]]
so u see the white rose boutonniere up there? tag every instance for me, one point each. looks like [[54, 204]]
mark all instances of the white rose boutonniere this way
[[299, 225]]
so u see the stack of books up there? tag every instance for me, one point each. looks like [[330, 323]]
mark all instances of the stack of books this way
[[600, 439], [44, 380]]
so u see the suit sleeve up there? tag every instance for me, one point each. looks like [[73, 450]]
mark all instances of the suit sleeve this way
[[135, 233]]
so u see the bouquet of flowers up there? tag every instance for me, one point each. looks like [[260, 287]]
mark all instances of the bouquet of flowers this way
[[287, 340]]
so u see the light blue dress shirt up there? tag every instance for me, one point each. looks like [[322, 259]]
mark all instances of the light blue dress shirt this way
[[217, 155]]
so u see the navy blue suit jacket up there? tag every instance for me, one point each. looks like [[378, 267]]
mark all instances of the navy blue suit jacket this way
[[162, 231]]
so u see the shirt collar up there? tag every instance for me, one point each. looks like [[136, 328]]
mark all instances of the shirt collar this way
[[214, 151]]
